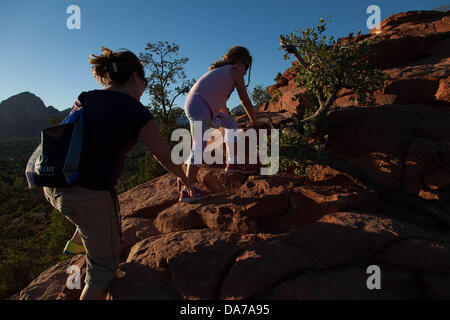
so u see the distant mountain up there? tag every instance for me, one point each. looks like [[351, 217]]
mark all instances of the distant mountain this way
[[25, 115], [52, 111]]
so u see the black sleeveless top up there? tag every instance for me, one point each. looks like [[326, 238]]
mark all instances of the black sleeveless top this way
[[112, 121]]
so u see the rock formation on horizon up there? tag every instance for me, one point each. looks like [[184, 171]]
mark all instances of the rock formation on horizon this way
[[25, 115], [311, 237]]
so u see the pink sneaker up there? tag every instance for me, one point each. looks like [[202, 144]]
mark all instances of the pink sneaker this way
[[198, 195], [239, 168]]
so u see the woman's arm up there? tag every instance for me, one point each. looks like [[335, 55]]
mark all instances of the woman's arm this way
[[160, 150], [238, 79]]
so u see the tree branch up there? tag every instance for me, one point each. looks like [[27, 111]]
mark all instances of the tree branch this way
[[292, 50]]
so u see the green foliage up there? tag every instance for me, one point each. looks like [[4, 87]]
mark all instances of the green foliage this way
[[32, 233], [260, 95], [145, 168], [278, 77], [325, 66], [297, 143], [275, 96], [167, 81], [26, 251]]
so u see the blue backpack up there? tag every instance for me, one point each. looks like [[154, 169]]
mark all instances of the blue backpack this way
[[56, 161]]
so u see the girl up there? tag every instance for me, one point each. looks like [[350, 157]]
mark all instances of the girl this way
[[206, 102], [114, 119]]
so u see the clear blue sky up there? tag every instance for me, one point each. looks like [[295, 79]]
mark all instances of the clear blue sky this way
[[38, 53]]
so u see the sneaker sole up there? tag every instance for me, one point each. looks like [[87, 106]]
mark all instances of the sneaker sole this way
[[72, 254], [193, 199]]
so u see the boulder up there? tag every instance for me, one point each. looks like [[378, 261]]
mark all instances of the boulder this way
[[51, 284], [150, 198]]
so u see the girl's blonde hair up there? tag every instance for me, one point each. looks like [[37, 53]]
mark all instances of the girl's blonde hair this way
[[115, 68]]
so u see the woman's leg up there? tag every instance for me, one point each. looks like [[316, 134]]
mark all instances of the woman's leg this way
[[90, 293]]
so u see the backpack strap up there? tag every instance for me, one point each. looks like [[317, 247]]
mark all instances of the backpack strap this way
[[71, 165]]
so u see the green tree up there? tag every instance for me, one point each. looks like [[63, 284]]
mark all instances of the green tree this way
[[325, 66], [167, 81], [260, 96], [279, 75]]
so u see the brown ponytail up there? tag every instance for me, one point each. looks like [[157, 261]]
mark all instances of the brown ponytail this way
[[232, 56], [115, 68]]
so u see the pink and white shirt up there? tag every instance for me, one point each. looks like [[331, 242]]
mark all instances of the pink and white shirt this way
[[216, 86]]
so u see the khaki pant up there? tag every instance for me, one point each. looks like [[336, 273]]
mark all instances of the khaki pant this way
[[95, 213]]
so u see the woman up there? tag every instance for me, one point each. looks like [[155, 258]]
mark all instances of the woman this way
[[114, 120], [206, 103]]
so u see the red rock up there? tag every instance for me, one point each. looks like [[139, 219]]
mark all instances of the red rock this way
[[261, 196], [336, 240], [393, 52], [136, 281], [444, 151], [257, 197], [348, 283], [309, 204], [414, 90], [51, 284], [443, 92], [435, 127], [357, 131], [150, 198], [181, 216], [364, 136], [189, 265], [285, 101], [420, 255], [216, 180], [435, 286], [421, 157], [437, 179], [135, 230]]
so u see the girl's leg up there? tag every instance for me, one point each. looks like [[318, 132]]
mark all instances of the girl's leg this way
[[230, 138], [198, 113], [236, 163], [191, 173]]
